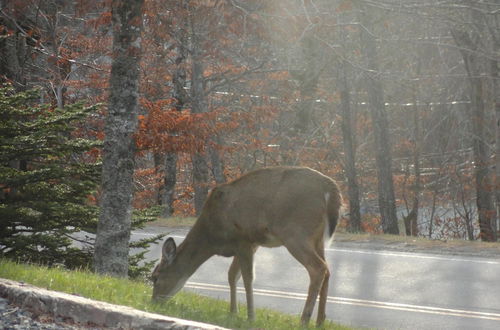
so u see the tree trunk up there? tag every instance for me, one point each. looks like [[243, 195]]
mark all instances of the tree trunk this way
[[159, 165], [217, 163], [181, 97], [169, 184], [350, 153], [200, 180], [200, 167], [198, 105], [475, 67], [496, 89], [495, 74], [411, 220], [13, 53], [383, 153], [484, 178], [113, 230]]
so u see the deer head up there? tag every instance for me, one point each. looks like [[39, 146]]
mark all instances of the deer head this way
[[169, 283]]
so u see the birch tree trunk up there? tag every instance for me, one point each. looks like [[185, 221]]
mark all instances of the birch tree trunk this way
[[113, 230]]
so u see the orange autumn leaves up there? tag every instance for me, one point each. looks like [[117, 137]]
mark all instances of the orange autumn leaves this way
[[165, 129]]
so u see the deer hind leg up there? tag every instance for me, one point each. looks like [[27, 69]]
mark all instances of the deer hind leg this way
[[323, 293], [233, 276], [317, 268], [245, 259]]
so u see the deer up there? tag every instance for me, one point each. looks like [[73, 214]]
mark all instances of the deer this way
[[294, 207]]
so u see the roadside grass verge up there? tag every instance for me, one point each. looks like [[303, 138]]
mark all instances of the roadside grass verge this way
[[185, 305], [173, 222], [422, 242]]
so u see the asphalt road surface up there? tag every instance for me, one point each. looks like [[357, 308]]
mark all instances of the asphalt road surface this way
[[375, 289]]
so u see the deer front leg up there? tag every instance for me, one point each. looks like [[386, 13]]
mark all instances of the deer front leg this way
[[245, 258], [233, 276]]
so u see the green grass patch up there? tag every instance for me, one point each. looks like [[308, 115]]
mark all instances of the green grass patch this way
[[173, 222], [137, 294]]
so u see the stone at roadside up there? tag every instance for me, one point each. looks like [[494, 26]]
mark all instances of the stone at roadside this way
[[84, 312]]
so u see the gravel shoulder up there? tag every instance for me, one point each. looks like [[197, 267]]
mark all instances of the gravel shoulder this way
[[16, 317], [417, 245]]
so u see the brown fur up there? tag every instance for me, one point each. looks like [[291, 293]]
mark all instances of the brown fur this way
[[290, 206]]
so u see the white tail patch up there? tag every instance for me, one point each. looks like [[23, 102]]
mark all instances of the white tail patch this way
[[326, 235]]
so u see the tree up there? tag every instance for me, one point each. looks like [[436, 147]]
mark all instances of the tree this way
[[383, 152], [113, 231], [204, 50], [49, 177], [45, 200], [349, 142], [45, 43], [411, 219], [181, 99], [228, 86], [471, 43], [199, 105]]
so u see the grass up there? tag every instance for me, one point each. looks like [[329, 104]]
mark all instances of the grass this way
[[136, 294], [173, 222]]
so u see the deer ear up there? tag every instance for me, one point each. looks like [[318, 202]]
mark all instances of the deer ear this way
[[169, 250]]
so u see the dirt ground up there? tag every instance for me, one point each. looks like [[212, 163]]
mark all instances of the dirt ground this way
[[417, 244]]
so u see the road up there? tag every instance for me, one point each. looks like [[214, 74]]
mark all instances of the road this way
[[371, 288]]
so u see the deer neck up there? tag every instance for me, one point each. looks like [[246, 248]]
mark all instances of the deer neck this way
[[193, 251]]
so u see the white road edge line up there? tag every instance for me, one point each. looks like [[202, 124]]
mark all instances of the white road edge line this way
[[357, 302]]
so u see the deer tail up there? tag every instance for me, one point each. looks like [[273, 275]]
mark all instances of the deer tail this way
[[333, 200]]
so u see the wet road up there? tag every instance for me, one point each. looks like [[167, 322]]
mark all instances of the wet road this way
[[368, 288]]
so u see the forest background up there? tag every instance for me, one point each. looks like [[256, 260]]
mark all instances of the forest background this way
[[399, 101]]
